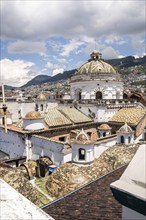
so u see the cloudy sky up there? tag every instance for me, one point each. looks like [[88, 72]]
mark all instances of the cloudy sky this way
[[48, 37]]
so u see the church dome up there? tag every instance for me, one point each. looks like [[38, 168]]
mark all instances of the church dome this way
[[95, 65], [41, 97], [104, 127], [33, 115], [82, 138], [125, 129]]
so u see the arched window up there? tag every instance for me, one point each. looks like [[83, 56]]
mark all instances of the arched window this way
[[82, 154], [80, 96], [122, 139], [36, 107], [118, 95], [129, 139], [125, 96], [104, 134], [41, 108], [98, 95]]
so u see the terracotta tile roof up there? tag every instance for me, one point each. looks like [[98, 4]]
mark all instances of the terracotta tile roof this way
[[61, 117], [54, 118], [75, 115], [90, 202], [129, 115]]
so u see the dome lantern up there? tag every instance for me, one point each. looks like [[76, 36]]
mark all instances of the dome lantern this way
[[95, 55], [125, 135]]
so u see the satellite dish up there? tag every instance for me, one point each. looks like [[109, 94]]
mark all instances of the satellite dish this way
[[4, 107]]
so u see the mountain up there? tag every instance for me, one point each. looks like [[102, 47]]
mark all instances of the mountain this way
[[6, 87], [120, 63], [37, 80], [62, 76], [126, 62], [44, 78]]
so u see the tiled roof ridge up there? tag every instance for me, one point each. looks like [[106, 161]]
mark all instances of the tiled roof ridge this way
[[63, 113], [68, 117], [81, 187]]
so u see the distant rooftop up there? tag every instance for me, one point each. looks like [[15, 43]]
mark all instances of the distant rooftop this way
[[129, 115]]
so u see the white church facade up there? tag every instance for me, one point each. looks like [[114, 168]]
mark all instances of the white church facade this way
[[97, 89], [96, 79]]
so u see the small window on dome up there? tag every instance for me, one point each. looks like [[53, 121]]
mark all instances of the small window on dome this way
[[41, 107], [36, 108], [82, 154]]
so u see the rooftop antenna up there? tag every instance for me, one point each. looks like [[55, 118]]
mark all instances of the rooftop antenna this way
[[4, 107]]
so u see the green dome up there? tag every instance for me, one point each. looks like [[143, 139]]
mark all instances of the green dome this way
[[95, 65]]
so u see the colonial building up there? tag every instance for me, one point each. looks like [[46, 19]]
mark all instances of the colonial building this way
[[97, 89], [97, 80]]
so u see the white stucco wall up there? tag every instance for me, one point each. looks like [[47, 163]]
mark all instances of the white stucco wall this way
[[101, 147], [24, 107], [138, 138], [33, 125], [46, 147], [16, 144], [126, 136], [107, 132], [89, 155], [102, 114], [67, 158], [12, 143], [110, 89], [9, 120]]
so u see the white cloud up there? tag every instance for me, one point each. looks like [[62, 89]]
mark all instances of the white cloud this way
[[40, 19], [50, 65], [110, 53], [73, 45], [27, 47], [17, 72], [57, 71]]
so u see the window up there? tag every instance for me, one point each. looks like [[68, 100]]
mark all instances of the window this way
[[41, 108], [89, 133], [125, 96], [36, 107], [129, 139], [98, 95], [19, 113], [80, 96], [104, 134], [62, 139], [122, 139], [82, 154]]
